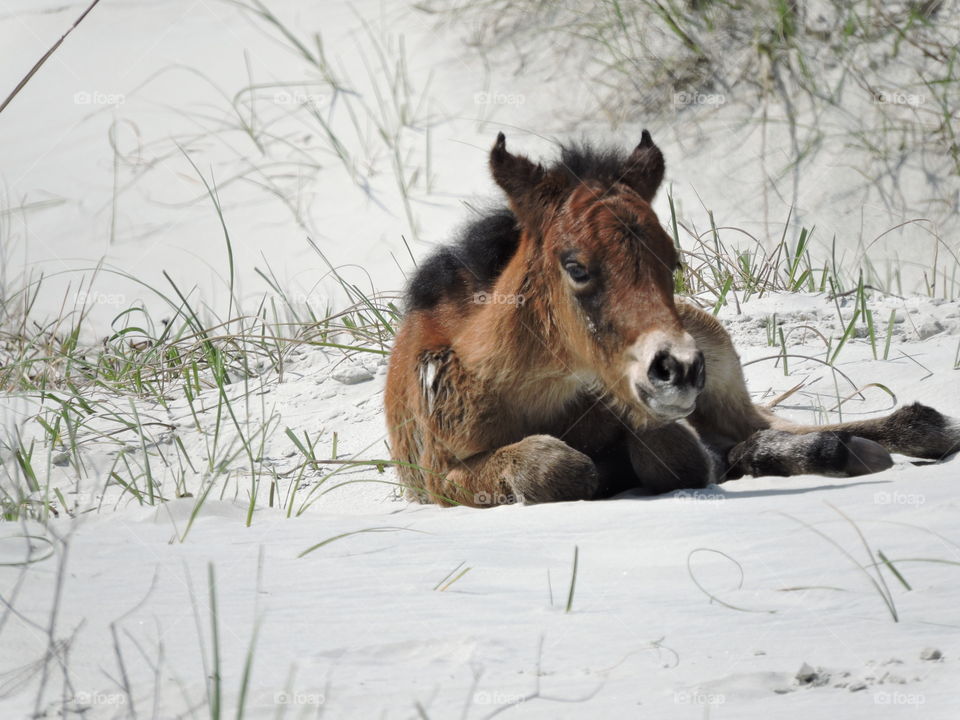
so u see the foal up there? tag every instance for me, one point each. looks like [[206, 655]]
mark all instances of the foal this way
[[544, 357]]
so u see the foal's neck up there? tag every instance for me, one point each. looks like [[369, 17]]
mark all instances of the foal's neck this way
[[512, 340]]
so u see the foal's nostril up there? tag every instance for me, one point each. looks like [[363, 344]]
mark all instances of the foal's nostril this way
[[666, 370], [698, 371]]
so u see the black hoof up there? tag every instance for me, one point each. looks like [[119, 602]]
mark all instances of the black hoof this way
[[865, 457]]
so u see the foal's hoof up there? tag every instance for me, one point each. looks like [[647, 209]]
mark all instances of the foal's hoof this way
[[921, 431], [670, 458], [546, 469], [865, 457]]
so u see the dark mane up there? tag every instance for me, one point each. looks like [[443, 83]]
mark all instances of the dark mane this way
[[468, 266], [583, 162]]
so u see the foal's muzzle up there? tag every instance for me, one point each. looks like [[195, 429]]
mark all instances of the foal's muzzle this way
[[675, 375], [668, 373]]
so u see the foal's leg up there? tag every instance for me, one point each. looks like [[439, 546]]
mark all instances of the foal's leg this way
[[778, 452], [537, 469], [670, 458], [851, 448], [916, 430], [756, 442]]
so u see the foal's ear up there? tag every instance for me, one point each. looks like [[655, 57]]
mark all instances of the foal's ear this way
[[645, 168], [518, 176]]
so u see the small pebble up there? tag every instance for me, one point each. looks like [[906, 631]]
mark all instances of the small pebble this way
[[806, 674], [929, 329], [351, 374], [326, 393]]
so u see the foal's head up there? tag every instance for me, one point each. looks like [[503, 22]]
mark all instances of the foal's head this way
[[604, 268]]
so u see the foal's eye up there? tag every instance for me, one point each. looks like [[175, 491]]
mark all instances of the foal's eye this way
[[576, 271]]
